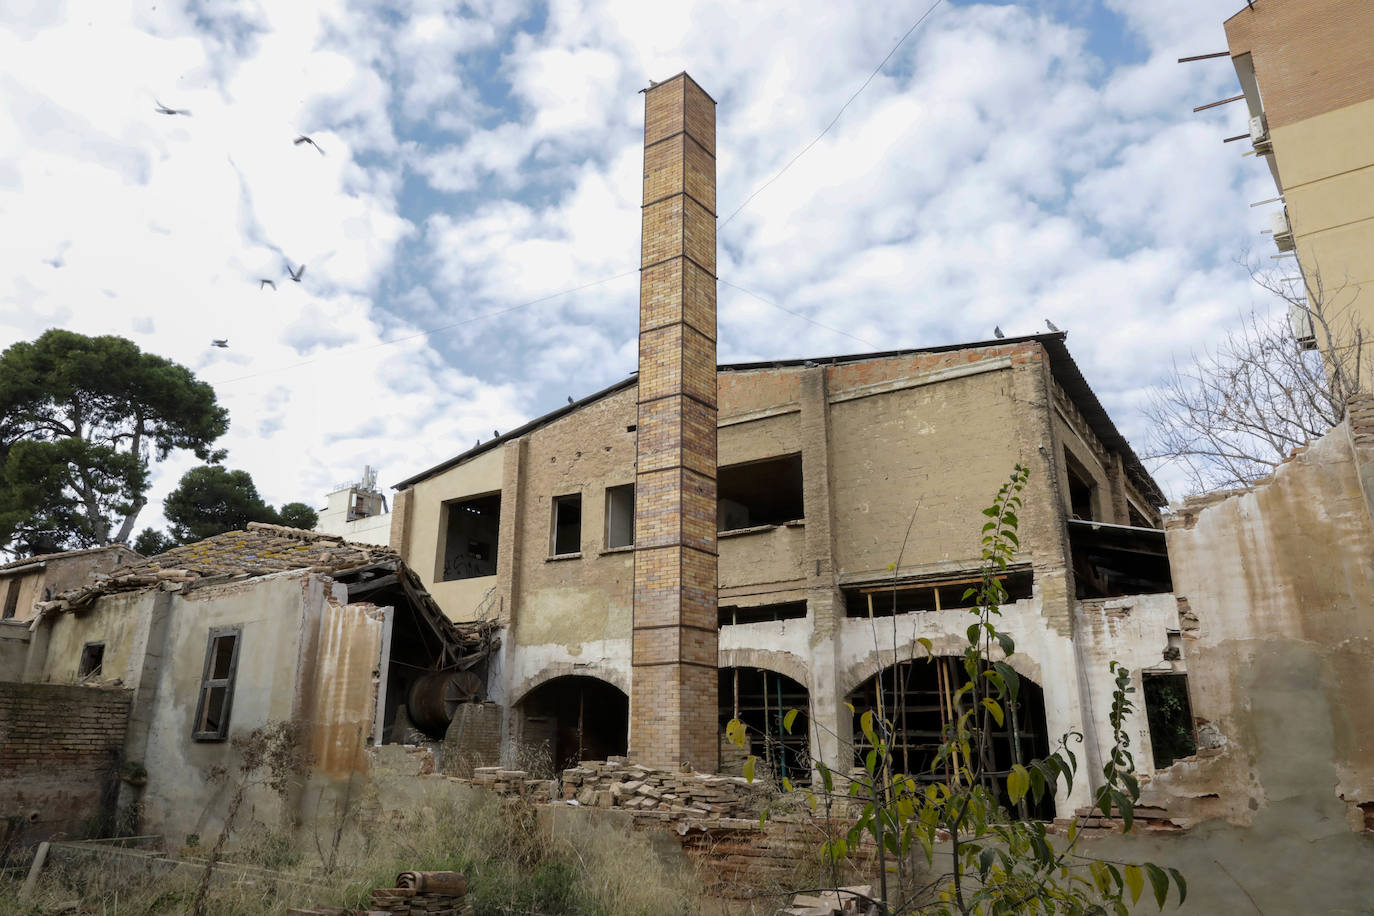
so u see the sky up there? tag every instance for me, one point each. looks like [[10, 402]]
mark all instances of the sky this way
[[468, 213]]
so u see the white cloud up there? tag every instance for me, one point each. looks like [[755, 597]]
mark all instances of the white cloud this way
[[994, 173]]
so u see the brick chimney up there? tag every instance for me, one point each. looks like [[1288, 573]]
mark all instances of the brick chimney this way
[[674, 661]]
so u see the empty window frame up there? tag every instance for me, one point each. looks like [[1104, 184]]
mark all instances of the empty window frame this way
[[762, 613], [620, 516], [12, 597], [472, 529], [930, 595], [217, 684], [92, 660], [767, 492], [1171, 718], [1082, 490], [567, 524]]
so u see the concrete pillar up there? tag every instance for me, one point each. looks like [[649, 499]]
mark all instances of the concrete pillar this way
[[673, 661], [831, 725], [508, 535]]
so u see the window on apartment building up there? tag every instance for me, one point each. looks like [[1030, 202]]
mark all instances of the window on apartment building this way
[[886, 599], [567, 524], [767, 492], [1082, 489], [620, 516], [471, 530], [762, 613], [1170, 716], [217, 684], [12, 598], [92, 660]]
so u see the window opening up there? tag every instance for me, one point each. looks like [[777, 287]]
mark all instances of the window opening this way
[[767, 492], [577, 718], [472, 531], [785, 610], [92, 660], [12, 598], [1110, 561], [620, 516], [1171, 718], [217, 685], [930, 595], [761, 700], [567, 524], [1082, 490], [920, 700]]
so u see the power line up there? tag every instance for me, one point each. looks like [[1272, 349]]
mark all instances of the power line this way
[[780, 308], [805, 149], [426, 333]]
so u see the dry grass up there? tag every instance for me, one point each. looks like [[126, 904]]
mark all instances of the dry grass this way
[[519, 860]]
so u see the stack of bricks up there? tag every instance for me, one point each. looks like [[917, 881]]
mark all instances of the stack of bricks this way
[[407, 900], [673, 679], [514, 782], [661, 795], [738, 857]]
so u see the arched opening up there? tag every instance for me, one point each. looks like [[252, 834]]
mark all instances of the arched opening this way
[[761, 700], [917, 697], [575, 718]]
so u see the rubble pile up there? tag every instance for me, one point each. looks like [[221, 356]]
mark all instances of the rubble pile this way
[[618, 783], [515, 782], [417, 893], [847, 901]]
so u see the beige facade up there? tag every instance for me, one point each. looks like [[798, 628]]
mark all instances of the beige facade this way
[[823, 467], [1305, 68]]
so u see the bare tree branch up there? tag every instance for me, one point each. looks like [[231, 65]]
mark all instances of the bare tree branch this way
[[1240, 408]]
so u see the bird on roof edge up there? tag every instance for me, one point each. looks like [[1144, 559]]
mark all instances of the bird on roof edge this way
[[1050, 324], [997, 331]]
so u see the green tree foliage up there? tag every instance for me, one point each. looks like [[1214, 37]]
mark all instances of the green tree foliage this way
[[151, 542], [298, 515], [211, 500], [988, 859], [81, 418]]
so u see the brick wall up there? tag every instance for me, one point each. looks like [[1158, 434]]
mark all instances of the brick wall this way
[[673, 655], [1310, 56], [60, 755], [473, 739]]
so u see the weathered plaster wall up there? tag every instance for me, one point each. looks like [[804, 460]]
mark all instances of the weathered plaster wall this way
[[276, 614], [14, 649], [117, 621], [1280, 576]]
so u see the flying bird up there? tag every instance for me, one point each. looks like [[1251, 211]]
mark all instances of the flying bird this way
[[265, 282], [295, 275], [304, 139], [222, 344], [1050, 324], [163, 109], [997, 331]]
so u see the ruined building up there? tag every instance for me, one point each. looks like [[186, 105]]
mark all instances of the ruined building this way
[[700, 541]]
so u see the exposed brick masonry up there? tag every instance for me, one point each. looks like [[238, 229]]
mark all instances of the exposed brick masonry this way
[[60, 755], [674, 656]]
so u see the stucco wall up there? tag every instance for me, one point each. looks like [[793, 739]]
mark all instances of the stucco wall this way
[[424, 523], [117, 621], [1277, 576]]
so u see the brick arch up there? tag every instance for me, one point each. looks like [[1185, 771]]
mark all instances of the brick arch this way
[[555, 670], [786, 663], [948, 644]]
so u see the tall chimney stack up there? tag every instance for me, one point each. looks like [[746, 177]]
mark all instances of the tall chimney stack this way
[[674, 659]]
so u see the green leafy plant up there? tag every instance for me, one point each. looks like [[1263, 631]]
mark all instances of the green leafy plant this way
[[990, 858]]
